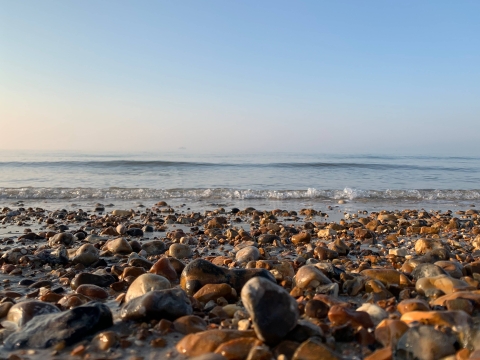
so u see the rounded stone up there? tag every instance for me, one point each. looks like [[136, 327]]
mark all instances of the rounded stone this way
[[248, 253], [272, 310], [86, 254], [167, 304], [92, 291], [154, 247], [424, 343], [164, 268], [189, 324], [310, 276], [145, 283], [23, 312], [180, 251], [201, 272], [118, 246]]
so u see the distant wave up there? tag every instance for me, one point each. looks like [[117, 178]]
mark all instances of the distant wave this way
[[228, 193], [157, 164]]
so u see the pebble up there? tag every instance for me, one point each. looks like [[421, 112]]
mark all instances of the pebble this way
[[180, 251], [23, 312], [167, 304], [310, 276], [271, 323], [248, 253], [87, 254], [69, 327], [424, 343], [145, 283], [118, 246], [201, 272]]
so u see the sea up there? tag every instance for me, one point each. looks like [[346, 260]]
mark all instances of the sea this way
[[347, 182]]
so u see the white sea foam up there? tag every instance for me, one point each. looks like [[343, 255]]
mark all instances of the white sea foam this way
[[229, 193]]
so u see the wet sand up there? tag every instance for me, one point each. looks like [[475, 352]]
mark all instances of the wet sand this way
[[181, 280]]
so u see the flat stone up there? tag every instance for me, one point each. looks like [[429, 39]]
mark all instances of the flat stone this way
[[458, 319], [237, 348], [387, 276], [412, 305], [208, 341], [445, 284], [167, 304], [189, 324], [87, 278], [211, 292], [69, 326], [92, 291], [310, 276], [154, 247], [314, 349]]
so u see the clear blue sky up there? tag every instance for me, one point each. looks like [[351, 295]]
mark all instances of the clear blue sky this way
[[215, 76]]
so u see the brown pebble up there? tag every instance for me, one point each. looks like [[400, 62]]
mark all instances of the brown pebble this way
[[92, 291]]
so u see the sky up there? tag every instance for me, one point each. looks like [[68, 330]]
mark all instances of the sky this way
[[240, 76]]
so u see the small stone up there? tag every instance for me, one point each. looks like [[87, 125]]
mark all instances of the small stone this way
[[46, 330], [158, 343], [340, 315], [86, 254], [154, 247], [118, 246], [213, 292], [92, 291], [189, 324], [180, 251], [412, 305], [310, 276], [237, 348], [377, 314], [313, 349], [164, 268], [87, 278], [248, 253], [387, 276], [23, 312], [388, 332], [201, 272], [208, 341], [145, 283], [167, 304], [301, 238], [106, 340], [424, 343], [273, 311], [316, 309]]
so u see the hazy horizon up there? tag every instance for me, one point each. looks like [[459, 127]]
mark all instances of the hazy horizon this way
[[240, 77]]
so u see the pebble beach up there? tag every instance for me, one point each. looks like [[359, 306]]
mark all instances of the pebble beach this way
[[169, 281]]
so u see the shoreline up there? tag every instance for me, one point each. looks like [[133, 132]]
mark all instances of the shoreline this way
[[326, 258]]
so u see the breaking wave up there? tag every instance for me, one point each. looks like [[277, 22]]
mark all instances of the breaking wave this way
[[229, 193]]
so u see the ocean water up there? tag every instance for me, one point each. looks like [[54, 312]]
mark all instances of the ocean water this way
[[288, 178]]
